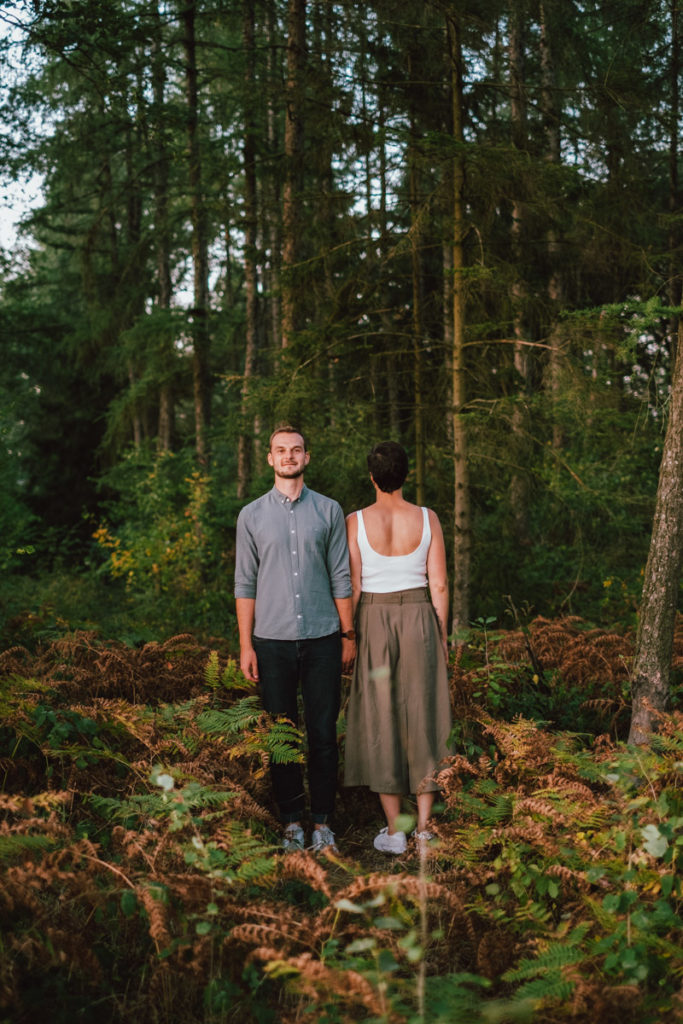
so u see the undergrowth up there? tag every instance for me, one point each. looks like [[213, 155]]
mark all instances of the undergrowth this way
[[142, 877]]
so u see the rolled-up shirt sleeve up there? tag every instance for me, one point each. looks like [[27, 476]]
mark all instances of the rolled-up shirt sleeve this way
[[246, 559], [338, 557]]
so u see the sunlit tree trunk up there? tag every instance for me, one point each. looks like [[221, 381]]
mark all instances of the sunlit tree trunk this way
[[462, 535], [244, 444], [199, 244], [294, 142], [651, 670]]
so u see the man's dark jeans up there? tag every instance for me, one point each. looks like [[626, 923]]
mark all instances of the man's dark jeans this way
[[316, 665]]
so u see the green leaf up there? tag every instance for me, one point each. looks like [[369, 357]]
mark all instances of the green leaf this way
[[386, 961], [391, 923], [352, 908], [361, 945], [655, 843], [129, 903]]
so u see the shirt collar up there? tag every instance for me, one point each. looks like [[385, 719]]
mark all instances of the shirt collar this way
[[282, 499]]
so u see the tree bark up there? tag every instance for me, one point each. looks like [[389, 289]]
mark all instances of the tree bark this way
[[654, 644], [462, 536], [417, 324], [273, 214], [200, 258], [244, 445], [166, 421], [551, 124], [519, 483], [675, 277], [294, 140]]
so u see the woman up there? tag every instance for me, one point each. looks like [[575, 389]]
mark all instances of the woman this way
[[399, 714]]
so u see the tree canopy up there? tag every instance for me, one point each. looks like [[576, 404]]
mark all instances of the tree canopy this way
[[453, 224]]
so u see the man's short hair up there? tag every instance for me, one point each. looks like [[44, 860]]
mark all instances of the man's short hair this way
[[287, 428], [388, 465]]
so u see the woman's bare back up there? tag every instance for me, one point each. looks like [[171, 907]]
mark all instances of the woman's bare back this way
[[394, 529]]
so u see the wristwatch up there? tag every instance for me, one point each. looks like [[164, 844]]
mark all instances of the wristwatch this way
[[350, 634]]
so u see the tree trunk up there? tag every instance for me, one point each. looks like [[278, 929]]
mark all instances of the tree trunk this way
[[389, 357], [273, 215], [294, 140], [652, 661], [166, 422], [462, 536], [200, 312], [244, 444], [675, 286], [519, 484], [417, 324], [551, 123]]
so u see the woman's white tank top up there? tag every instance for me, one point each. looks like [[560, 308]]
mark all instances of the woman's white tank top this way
[[384, 574]]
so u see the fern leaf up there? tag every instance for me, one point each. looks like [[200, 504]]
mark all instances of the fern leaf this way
[[241, 716], [13, 847]]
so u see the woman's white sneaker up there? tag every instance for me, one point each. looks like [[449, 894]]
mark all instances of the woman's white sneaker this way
[[395, 843]]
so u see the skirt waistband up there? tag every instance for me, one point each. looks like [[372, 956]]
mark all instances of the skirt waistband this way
[[414, 596]]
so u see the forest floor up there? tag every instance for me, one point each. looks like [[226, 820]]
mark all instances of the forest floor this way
[[554, 892]]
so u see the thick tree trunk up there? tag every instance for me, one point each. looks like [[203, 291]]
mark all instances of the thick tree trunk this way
[[294, 141], [462, 537], [652, 661], [675, 276], [244, 444], [200, 258]]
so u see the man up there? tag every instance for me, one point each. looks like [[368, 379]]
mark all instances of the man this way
[[293, 597]]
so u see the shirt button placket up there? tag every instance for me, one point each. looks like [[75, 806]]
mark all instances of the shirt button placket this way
[[296, 578]]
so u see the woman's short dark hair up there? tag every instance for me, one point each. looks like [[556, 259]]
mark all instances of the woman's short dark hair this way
[[388, 465]]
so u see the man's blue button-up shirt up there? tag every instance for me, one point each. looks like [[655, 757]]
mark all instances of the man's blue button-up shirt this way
[[292, 557]]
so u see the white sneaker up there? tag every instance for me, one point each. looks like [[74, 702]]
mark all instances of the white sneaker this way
[[423, 840], [293, 838], [323, 839], [386, 843]]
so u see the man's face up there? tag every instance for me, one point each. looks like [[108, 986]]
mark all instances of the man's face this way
[[288, 456]]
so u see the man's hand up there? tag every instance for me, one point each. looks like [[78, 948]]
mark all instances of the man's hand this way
[[348, 654], [249, 664]]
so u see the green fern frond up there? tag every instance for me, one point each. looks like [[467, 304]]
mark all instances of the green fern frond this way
[[284, 743], [231, 678], [256, 869], [252, 859], [212, 672], [554, 959], [14, 847], [240, 716], [547, 989], [197, 797], [490, 811]]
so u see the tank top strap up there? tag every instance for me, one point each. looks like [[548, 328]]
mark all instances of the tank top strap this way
[[426, 529]]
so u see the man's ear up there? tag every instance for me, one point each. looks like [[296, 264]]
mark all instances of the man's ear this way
[[307, 458], [270, 458]]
